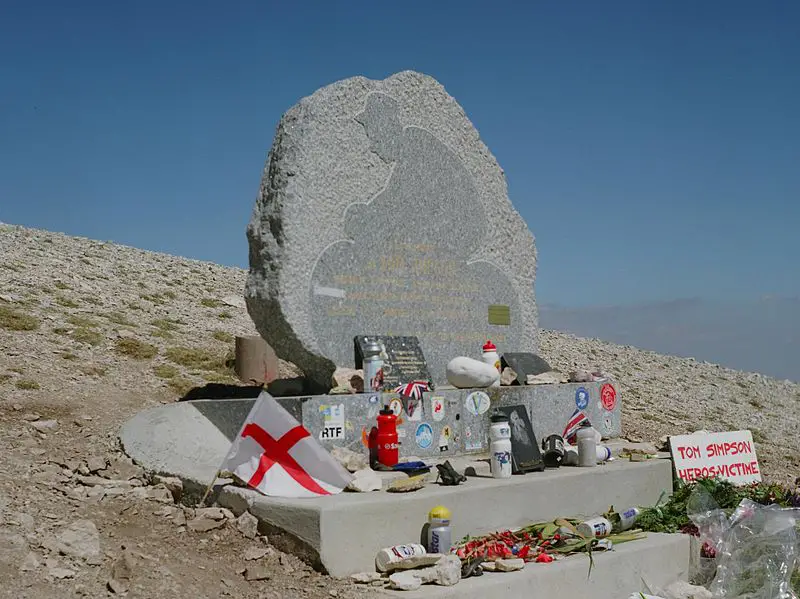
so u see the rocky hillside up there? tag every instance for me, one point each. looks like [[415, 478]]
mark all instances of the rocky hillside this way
[[92, 332]]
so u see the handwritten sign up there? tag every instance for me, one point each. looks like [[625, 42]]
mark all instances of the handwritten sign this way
[[730, 456]]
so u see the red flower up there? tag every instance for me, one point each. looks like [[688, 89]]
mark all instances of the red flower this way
[[543, 558]]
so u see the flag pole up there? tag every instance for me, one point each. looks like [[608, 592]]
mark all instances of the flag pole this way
[[208, 490]]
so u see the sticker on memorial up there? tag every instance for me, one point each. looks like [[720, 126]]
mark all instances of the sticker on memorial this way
[[414, 410], [608, 397], [444, 438], [396, 406], [608, 424], [401, 433], [473, 446], [581, 398], [332, 422], [424, 435], [373, 399], [477, 403], [437, 408]]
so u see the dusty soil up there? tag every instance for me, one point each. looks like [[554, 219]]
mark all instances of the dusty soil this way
[[93, 332]]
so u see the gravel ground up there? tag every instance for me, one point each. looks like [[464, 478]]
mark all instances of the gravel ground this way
[[93, 332]]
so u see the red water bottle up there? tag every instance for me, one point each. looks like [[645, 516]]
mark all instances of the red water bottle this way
[[386, 440]]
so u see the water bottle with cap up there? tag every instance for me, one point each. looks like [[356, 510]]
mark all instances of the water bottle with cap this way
[[500, 446], [587, 445], [439, 535]]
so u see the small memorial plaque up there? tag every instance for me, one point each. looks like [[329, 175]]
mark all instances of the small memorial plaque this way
[[525, 454], [524, 363], [499, 315], [405, 363]]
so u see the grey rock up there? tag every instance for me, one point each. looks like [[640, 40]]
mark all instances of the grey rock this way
[[96, 464], [328, 260], [123, 567], [203, 524], [80, 539], [214, 513], [247, 524], [254, 553], [172, 483], [61, 573], [254, 573], [160, 493], [468, 373]]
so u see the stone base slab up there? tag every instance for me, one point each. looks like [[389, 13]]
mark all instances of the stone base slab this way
[[342, 533], [631, 567]]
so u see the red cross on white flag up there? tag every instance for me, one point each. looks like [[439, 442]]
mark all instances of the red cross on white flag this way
[[275, 455]]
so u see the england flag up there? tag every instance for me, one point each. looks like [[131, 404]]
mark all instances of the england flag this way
[[277, 456]]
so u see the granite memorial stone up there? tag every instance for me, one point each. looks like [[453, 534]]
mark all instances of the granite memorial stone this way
[[381, 212]]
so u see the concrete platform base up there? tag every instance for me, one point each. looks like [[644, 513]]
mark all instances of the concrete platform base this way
[[343, 533], [631, 567]]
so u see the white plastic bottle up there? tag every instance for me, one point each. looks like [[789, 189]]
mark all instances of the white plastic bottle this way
[[500, 446], [587, 445], [439, 533], [491, 357], [392, 555]]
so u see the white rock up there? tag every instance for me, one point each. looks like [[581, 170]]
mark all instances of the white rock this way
[[247, 524], [365, 577], [30, 563], [510, 565], [489, 566], [80, 539], [466, 373], [350, 460], [547, 378], [234, 301], [446, 572], [405, 581], [365, 481], [415, 561], [44, 426]]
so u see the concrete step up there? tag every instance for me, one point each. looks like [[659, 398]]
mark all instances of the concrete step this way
[[343, 533], [656, 560]]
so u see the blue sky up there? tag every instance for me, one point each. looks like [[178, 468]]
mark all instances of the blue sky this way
[[652, 147]]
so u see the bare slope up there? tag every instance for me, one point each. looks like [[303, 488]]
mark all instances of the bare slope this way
[[92, 332]]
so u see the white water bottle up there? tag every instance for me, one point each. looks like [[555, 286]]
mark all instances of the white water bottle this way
[[500, 446], [587, 445]]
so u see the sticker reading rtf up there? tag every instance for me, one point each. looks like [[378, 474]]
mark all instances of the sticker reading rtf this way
[[332, 422], [730, 456]]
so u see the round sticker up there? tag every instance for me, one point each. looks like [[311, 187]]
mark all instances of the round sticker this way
[[608, 396], [373, 399], [477, 403], [424, 435], [396, 406], [581, 398]]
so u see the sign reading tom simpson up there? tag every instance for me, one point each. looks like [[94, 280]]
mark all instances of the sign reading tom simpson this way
[[730, 456]]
